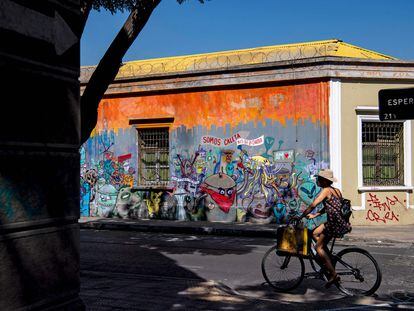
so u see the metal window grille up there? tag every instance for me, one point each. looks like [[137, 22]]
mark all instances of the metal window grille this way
[[153, 144], [383, 153]]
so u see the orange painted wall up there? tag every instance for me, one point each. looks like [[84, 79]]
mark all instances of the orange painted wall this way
[[233, 107]]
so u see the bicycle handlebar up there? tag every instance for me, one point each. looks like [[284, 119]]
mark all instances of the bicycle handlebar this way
[[294, 221]]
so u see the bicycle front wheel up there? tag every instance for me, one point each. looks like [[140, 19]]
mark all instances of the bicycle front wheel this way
[[359, 271], [282, 271]]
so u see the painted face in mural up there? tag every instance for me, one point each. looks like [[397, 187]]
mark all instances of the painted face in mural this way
[[106, 200], [200, 164], [91, 177], [260, 208], [194, 207], [256, 206], [221, 189], [230, 169], [154, 204], [228, 155], [125, 165], [127, 201]]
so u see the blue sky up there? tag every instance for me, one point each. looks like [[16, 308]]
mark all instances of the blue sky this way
[[384, 26]]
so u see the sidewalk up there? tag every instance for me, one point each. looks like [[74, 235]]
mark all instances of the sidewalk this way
[[378, 234]]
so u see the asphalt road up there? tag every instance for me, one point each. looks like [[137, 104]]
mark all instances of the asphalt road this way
[[148, 271]]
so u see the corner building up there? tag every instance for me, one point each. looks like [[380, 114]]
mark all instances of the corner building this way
[[203, 137]]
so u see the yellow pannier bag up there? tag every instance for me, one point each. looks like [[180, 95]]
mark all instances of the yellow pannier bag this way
[[295, 241]]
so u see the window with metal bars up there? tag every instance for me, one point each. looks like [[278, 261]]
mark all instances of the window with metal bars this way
[[382, 153], [153, 155]]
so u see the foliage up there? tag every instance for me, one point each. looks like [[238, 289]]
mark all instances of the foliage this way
[[114, 6]]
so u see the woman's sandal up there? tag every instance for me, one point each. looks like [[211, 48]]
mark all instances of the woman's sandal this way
[[333, 280]]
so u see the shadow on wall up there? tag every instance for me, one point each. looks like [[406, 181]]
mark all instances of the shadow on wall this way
[[34, 264], [39, 251]]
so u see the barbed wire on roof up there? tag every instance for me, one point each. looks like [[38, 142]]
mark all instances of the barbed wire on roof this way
[[216, 61]]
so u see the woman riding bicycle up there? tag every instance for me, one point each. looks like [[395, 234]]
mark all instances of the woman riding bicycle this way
[[335, 227]]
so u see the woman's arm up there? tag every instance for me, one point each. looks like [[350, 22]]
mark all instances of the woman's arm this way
[[322, 195]]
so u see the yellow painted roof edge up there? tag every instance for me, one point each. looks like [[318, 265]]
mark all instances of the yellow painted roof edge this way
[[349, 50], [239, 51], [249, 56]]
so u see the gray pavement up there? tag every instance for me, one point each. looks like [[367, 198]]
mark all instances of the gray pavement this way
[[372, 234], [133, 270]]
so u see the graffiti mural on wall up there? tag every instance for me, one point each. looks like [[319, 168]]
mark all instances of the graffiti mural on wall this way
[[100, 183], [237, 157], [209, 183]]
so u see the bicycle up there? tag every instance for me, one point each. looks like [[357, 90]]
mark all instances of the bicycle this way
[[359, 271]]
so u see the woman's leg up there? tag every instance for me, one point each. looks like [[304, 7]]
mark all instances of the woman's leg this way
[[317, 232], [321, 250]]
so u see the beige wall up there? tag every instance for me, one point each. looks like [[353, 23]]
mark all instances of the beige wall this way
[[363, 93]]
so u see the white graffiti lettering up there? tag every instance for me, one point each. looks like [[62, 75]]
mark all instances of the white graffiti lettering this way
[[251, 142]]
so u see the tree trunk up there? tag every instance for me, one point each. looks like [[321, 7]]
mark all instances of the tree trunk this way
[[110, 63]]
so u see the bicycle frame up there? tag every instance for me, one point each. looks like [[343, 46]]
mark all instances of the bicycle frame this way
[[321, 272]]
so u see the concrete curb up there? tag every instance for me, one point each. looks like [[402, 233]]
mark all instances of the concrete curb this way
[[203, 228]]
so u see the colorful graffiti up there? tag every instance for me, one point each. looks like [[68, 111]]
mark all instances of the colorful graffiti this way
[[212, 184], [101, 183], [225, 163]]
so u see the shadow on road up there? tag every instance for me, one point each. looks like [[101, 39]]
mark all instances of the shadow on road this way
[[139, 271], [127, 277]]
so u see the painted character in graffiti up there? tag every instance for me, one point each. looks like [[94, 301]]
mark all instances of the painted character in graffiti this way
[[180, 194], [221, 194], [194, 207], [106, 200], [153, 204], [85, 196], [258, 209], [168, 206], [91, 177], [88, 182], [187, 166], [128, 203], [227, 163], [285, 186], [308, 192], [268, 142], [279, 210]]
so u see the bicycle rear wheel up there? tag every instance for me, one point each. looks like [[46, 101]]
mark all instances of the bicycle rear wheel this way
[[359, 272], [282, 271]]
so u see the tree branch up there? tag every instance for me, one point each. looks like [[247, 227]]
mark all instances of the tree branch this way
[[86, 6], [110, 63]]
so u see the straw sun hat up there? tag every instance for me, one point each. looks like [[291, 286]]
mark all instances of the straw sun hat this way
[[327, 174]]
